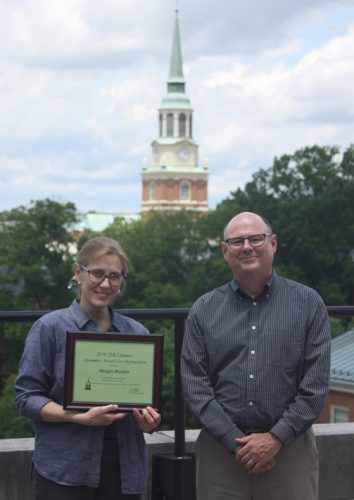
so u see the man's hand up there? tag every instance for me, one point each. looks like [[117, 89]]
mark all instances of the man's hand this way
[[256, 452]]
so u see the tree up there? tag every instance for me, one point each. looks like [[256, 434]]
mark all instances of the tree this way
[[164, 250], [35, 256]]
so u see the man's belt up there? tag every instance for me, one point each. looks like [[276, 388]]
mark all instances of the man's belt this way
[[254, 430]]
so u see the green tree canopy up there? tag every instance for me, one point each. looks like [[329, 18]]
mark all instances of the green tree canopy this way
[[167, 253], [35, 257], [308, 197]]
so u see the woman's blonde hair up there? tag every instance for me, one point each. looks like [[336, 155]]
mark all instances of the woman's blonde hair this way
[[101, 245], [96, 247]]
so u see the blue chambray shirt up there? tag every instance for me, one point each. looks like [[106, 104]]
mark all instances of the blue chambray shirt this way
[[67, 453]]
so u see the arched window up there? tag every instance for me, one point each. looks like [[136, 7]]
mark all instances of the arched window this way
[[152, 193], [185, 191], [160, 124], [190, 127], [170, 125], [182, 125]]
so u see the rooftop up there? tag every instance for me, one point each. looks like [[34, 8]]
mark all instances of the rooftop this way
[[96, 221], [342, 359]]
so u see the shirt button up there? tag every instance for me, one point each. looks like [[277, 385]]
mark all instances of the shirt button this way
[[251, 376], [250, 403], [254, 303], [253, 352], [254, 327]]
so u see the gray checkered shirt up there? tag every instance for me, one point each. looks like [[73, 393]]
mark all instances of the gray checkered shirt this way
[[257, 363]]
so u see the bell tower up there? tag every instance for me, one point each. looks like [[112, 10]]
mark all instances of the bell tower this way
[[174, 180]]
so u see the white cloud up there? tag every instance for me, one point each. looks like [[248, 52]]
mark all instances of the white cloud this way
[[81, 82], [318, 85]]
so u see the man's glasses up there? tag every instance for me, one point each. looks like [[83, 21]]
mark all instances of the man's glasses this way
[[98, 275], [256, 240]]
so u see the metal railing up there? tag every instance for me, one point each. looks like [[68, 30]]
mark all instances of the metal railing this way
[[178, 316]]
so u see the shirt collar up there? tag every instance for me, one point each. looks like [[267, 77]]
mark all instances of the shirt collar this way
[[268, 287], [82, 318]]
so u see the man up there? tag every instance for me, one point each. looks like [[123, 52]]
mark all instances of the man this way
[[255, 372]]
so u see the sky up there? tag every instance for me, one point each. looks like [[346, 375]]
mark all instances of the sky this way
[[81, 82]]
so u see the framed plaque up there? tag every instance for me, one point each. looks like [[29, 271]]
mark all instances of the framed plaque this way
[[112, 368]]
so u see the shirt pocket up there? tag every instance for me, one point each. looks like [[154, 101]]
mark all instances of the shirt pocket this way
[[284, 348]]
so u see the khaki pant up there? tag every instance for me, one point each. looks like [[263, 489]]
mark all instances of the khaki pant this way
[[294, 476]]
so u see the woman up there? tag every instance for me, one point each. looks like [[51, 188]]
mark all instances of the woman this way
[[99, 454]]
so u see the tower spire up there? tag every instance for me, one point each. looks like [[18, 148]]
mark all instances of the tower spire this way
[[176, 63], [176, 85]]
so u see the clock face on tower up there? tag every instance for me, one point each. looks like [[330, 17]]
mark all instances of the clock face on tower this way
[[184, 154]]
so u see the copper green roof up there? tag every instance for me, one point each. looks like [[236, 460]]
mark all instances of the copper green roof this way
[[176, 63], [175, 100], [98, 221], [168, 141], [342, 359]]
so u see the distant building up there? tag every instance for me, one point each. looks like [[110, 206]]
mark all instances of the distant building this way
[[339, 405], [98, 221], [175, 180]]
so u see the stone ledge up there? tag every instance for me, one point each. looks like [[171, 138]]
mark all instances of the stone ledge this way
[[335, 446]]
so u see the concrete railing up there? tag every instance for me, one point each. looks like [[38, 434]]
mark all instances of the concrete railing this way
[[335, 444]]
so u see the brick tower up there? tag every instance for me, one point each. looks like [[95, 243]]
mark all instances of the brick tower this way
[[174, 180]]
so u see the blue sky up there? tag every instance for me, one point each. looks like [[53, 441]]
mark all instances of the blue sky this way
[[81, 82]]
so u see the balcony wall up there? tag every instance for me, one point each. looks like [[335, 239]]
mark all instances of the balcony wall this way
[[335, 445]]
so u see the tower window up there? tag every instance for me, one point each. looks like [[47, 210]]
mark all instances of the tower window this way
[[185, 191], [160, 124], [190, 126], [182, 125], [170, 125], [152, 190]]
